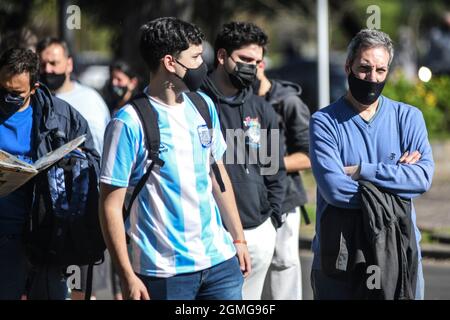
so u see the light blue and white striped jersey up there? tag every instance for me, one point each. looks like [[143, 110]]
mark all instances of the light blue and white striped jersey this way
[[174, 225]]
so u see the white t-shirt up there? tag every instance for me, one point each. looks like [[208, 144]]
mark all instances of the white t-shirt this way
[[92, 107]]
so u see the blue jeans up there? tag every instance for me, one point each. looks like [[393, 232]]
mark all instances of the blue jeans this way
[[18, 276], [220, 282]]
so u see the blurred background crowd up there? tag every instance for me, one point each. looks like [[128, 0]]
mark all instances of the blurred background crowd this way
[[106, 32]]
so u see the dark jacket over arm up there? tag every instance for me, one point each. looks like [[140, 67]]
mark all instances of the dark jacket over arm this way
[[380, 236]]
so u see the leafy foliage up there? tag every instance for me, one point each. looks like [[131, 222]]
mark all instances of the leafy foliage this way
[[432, 98]]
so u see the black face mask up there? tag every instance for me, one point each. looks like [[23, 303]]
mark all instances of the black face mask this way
[[194, 77], [365, 92], [117, 92], [9, 103], [256, 85], [243, 75], [53, 81]]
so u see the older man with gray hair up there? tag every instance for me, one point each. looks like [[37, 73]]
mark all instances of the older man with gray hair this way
[[364, 136]]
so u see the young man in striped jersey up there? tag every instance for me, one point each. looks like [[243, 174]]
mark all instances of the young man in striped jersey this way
[[178, 248]]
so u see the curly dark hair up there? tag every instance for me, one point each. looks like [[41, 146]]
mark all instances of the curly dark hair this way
[[234, 35], [167, 35], [19, 60]]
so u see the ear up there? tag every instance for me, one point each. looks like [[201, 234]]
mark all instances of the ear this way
[[222, 56], [33, 90], [69, 65], [262, 65], [259, 71], [169, 63], [347, 67], [133, 83]]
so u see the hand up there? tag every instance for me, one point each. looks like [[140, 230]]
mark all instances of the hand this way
[[353, 171], [410, 158], [244, 258], [134, 289]]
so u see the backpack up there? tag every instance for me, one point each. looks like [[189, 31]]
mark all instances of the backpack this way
[[64, 226], [149, 119]]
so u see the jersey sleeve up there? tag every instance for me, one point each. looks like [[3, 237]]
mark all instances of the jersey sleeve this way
[[119, 153]]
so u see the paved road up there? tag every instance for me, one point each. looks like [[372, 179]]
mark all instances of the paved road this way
[[436, 273], [437, 279]]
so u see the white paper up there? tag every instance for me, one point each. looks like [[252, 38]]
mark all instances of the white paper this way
[[14, 172]]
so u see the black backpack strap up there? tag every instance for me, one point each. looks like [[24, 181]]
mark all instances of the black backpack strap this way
[[218, 176], [149, 119], [305, 214], [203, 109]]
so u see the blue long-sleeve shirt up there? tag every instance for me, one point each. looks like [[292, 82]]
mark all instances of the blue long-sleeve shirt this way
[[339, 137], [16, 139]]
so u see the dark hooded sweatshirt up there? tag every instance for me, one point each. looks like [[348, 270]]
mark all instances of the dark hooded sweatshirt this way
[[258, 195], [293, 120]]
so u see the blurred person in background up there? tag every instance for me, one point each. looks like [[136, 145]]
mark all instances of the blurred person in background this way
[[23, 38], [284, 279], [56, 70], [438, 56], [56, 67], [121, 87]]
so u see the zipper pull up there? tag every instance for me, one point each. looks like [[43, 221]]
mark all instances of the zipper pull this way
[[246, 170]]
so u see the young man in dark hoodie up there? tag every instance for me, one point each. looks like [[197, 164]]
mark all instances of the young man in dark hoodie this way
[[284, 279], [259, 190]]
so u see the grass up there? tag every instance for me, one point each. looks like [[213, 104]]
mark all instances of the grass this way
[[426, 237], [443, 231]]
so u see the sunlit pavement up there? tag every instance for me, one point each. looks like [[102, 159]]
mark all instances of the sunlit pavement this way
[[436, 273], [437, 279]]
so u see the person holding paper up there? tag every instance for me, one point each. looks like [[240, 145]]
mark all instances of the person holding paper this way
[[32, 123]]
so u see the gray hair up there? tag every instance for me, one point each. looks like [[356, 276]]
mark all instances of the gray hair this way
[[369, 38]]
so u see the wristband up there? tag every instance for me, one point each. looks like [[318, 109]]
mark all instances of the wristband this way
[[239, 241]]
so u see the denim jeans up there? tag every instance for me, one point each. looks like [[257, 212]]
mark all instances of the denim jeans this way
[[220, 282], [19, 277]]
